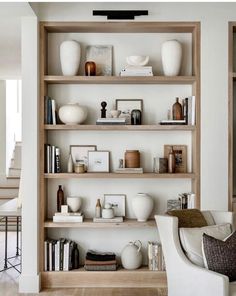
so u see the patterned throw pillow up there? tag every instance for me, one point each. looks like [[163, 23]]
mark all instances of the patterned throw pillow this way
[[221, 255]]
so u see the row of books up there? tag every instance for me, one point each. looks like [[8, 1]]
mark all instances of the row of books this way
[[52, 159], [137, 71], [60, 255], [50, 113]]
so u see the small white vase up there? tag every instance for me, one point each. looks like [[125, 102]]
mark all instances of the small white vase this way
[[131, 255], [74, 203], [70, 52], [171, 55], [142, 205], [72, 114]]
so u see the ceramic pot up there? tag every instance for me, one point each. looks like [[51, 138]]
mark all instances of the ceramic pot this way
[[132, 159], [70, 57], [171, 55], [72, 114], [131, 255], [142, 205], [74, 203]]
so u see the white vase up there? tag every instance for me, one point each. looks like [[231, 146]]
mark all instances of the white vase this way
[[70, 164], [74, 203], [70, 57], [131, 255], [142, 205], [171, 55], [72, 114]]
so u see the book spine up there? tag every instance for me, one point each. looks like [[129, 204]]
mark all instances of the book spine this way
[[65, 257], [53, 255], [49, 111], [193, 111], [49, 168], [57, 160], [71, 246], [50, 256], [53, 153], [185, 110], [57, 248], [46, 98], [46, 256], [54, 112], [61, 253]]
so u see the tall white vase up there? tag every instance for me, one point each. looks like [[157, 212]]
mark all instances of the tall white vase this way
[[142, 205], [171, 55], [70, 52]]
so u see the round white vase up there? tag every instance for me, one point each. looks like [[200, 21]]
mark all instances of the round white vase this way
[[142, 205], [72, 114], [131, 255], [70, 52], [171, 55]]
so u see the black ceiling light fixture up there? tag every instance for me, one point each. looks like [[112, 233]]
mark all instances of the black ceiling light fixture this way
[[120, 14]]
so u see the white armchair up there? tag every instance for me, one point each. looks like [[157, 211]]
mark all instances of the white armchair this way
[[185, 278]]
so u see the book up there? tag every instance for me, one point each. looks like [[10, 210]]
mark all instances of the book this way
[[67, 214], [68, 218], [129, 171], [54, 121], [118, 119], [46, 109], [61, 260], [185, 110], [112, 220], [53, 159], [57, 256], [136, 71], [191, 110], [66, 256], [46, 255], [49, 111], [49, 162], [57, 160], [172, 122]]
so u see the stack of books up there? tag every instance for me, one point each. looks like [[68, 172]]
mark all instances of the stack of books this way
[[137, 71], [129, 171], [106, 220], [112, 121], [60, 254], [68, 217], [50, 114], [52, 159], [96, 261]]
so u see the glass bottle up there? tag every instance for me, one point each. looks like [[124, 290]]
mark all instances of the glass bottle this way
[[60, 198], [177, 110], [171, 161], [98, 209]]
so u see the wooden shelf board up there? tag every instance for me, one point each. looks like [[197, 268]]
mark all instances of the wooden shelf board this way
[[94, 127], [119, 80], [88, 223], [119, 176], [141, 277]]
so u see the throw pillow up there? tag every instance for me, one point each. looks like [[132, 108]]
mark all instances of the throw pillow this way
[[221, 255], [191, 240], [189, 218]]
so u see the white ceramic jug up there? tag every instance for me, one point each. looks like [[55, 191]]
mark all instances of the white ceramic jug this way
[[131, 255]]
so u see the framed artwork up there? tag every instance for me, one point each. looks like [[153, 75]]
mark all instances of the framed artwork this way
[[127, 105], [79, 153], [98, 161], [117, 202], [102, 56], [180, 152]]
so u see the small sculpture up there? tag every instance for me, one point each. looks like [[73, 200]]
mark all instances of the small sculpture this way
[[103, 110], [121, 163]]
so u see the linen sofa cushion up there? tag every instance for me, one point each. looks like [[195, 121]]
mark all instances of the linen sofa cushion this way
[[232, 289], [221, 255], [191, 240], [189, 218]]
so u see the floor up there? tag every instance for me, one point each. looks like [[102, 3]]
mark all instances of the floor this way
[[9, 282]]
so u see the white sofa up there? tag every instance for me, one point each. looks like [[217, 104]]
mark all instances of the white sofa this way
[[185, 278]]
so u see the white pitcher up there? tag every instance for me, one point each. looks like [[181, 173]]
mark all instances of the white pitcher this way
[[131, 255]]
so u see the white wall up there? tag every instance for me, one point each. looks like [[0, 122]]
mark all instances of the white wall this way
[[2, 128]]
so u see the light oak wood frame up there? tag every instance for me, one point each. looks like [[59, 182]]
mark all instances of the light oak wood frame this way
[[142, 277]]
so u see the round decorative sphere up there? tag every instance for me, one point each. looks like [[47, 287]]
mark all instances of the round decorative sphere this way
[[171, 55], [72, 114], [142, 206], [74, 203], [131, 255], [70, 52]]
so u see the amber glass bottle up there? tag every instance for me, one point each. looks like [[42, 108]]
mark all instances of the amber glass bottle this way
[[60, 198], [177, 110]]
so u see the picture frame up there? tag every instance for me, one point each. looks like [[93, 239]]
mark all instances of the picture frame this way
[[118, 203], [98, 161], [102, 56], [79, 153], [180, 152], [127, 105]]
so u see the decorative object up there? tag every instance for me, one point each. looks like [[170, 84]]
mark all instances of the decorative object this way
[[115, 113], [117, 202], [121, 163], [163, 165], [120, 14], [103, 110], [173, 204], [79, 168], [132, 159], [98, 209], [155, 165], [142, 205], [131, 255], [70, 57], [102, 56], [136, 117], [171, 56], [126, 107], [70, 164], [60, 198], [180, 152], [74, 203], [73, 113], [98, 161], [171, 161], [79, 154], [64, 209], [90, 68], [137, 60], [107, 212], [155, 256], [177, 111]]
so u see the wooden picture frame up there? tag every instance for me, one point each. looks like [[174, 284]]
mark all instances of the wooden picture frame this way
[[98, 161], [180, 152], [79, 153]]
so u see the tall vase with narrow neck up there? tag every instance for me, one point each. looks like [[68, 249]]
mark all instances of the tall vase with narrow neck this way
[[70, 57], [171, 55]]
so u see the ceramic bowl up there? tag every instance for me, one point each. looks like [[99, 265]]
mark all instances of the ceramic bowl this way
[[74, 203], [115, 113], [137, 60]]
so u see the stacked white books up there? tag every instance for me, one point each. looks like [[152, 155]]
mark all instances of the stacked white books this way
[[137, 71], [129, 171], [68, 217], [112, 121], [112, 220]]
